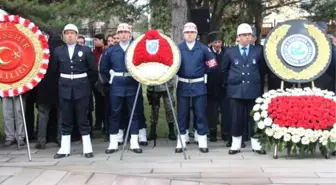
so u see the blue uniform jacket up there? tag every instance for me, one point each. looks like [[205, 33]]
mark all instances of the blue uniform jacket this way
[[243, 78], [81, 63], [195, 63], [114, 58]]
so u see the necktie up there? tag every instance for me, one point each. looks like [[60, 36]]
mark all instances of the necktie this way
[[244, 53]]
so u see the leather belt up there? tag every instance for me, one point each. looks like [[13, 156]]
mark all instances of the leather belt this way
[[194, 80], [73, 76]]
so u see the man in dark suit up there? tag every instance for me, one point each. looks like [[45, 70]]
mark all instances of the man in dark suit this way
[[243, 67], [76, 65]]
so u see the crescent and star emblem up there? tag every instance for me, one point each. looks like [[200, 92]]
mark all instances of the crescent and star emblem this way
[[15, 55]]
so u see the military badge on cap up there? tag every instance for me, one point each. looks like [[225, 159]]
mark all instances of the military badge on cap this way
[[297, 51], [254, 61], [80, 53]]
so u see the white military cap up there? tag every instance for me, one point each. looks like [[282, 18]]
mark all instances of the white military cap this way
[[190, 27], [244, 28], [124, 27], [70, 27]]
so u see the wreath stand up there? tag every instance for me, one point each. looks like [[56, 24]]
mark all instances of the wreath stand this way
[[132, 114], [275, 152]]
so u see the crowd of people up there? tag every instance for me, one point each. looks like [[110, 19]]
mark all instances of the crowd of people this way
[[216, 85]]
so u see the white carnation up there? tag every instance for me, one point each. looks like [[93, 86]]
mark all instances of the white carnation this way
[[268, 121], [326, 134], [296, 138], [277, 135], [269, 132], [335, 125], [272, 92], [333, 132], [275, 127], [256, 107], [283, 130], [314, 138], [261, 125], [320, 133], [305, 140], [268, 100], [289, 130], [332, 139], [256, 116], [265, 95], [259, 100], [295, 131], [264, 114], [324, 143], [309, 133], [301, 131], [287, 137], [308, 89], [264, 106]]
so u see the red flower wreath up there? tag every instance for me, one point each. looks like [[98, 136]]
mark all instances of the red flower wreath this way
[[309, 112], [164, 54], [30, 57]]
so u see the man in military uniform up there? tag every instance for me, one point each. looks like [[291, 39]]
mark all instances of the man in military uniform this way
[[154, 95], [243, 67], [76, 65], [123, 88], [197, 59]]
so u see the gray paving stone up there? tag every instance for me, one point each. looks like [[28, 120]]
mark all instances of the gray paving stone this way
[[241, 170], [128, 180], [5, 158], [256, 174], [296, 170], [205, 165], [327, 174], [303, 180], [75, 178], [49, 177], [3, 178], [150, 181], [23, 177], [209, 183], [7, 171], [170, 175], [29, 164], [177, 182], [241, 180], [101, 179]]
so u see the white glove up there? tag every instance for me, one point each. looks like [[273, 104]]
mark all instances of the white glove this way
[[112, 75]]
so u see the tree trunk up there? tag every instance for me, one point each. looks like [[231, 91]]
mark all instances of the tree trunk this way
[[179, 18]]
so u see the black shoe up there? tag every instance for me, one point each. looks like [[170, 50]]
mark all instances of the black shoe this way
[[120, 143], [172, 136], [106, 138], [179, 150], [191, 135], [233, 152], [333, 153], [213, 139], [40, 145], [243, 145], [151, 137], [88, 155], [58, 156], [260, 152], [204, 150], [9, 143], [229, 143], [110, 151], [137, 150], [143, 143]]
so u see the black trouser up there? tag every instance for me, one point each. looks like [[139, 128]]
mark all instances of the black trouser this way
[[30, 115], [226, 115], [74, 109], [241, 109], [99, 108], [106, 110]]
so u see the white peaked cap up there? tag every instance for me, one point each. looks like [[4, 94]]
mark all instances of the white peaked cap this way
[[124, 27], [70, 27], [190, 27], [244, 28]]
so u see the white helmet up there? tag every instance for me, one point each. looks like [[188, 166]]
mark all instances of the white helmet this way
[[124, 27], [244, 28], [190, 27], [70, 27]]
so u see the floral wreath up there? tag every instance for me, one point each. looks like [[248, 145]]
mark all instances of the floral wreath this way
[[39, 57], [153, 58], [296, 119], [307, 74]]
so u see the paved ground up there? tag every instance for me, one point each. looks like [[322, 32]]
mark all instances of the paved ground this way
[[161, 166]]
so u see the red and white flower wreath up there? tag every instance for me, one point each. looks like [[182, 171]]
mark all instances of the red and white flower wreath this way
[[42, 60]]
